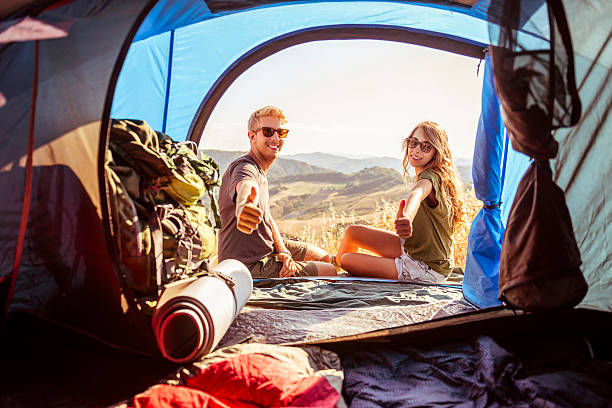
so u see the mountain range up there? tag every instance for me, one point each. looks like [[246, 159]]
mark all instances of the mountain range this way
[[282, 166], [345, 164], [319, 162]]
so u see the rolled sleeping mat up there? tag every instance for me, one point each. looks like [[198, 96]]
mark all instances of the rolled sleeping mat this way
[[193, 315]]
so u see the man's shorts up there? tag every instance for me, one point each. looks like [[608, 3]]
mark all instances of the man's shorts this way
[[269, 267]]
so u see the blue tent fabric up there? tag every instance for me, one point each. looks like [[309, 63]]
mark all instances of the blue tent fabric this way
[[488, 150], [168, 15], [144, 83], [517, 164], [140, 91], [480, 283]]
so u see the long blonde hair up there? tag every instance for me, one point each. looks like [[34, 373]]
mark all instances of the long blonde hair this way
[[442, 164]]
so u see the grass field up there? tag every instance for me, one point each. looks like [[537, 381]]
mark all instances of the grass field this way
[[327, 231]]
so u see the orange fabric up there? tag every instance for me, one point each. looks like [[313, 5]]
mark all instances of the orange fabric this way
[[168, 396], [264, 381], [246, 381]]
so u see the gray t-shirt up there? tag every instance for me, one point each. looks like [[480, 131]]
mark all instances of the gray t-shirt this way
[[233, 244]]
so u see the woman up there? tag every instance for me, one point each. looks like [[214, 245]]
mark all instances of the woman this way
[[422, 247]]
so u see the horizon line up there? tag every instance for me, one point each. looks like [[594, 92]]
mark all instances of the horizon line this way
[[365, 155]]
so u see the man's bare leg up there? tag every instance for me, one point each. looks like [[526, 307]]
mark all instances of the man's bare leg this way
[[322, 259], [326, 269], [314, 253]]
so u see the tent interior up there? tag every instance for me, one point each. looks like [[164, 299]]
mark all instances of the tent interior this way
[[68, 67]]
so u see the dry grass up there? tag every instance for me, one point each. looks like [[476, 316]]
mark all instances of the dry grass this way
[[471, 206], [329, 235]]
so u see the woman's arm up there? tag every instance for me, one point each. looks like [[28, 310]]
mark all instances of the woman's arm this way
[[408, 208], [419, 192]]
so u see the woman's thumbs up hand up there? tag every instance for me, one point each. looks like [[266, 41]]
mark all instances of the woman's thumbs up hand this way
[[403, 225]]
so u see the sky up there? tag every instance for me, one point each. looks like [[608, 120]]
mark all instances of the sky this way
[[353, 97]]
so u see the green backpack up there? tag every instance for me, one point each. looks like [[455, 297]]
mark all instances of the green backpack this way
[[162, 230]]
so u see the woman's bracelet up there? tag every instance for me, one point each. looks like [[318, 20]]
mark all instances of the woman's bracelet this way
[[285, 251]]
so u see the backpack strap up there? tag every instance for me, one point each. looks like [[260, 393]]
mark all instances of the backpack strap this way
[[157, 247], [207, 270]]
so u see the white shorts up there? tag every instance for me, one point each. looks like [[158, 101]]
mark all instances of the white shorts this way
[[410, 269]]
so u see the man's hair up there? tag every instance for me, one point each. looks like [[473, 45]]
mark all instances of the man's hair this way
[[268, 111]]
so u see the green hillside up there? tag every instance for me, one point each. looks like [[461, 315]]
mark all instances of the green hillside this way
[[281, 168], [307, 197]]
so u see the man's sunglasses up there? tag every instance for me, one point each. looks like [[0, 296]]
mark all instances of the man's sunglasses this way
[[413, 143], [269, 132]]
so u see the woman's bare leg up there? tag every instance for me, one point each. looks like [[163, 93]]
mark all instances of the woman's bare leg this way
[[382, 242], [369, 266]]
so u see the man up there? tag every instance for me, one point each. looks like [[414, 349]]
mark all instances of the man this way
[[248, 232]]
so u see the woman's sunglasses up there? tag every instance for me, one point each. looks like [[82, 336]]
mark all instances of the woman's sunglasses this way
[[413, 143], [269, 132]]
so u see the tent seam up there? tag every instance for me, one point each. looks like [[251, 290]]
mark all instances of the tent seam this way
[[27, 194], [168, 80]]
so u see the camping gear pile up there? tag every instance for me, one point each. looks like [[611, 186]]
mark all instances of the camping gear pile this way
[[165, 239], [161, 229]]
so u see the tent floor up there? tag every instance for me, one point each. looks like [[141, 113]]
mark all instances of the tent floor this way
[[44, 365]]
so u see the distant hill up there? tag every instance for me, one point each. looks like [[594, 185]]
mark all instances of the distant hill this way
[[371, 179], [351, 164], [315, 163], [309, 196], [282, 167], [347, 164]]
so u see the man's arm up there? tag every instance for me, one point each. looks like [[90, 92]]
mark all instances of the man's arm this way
[[282, 252], [407, 210], [248, 213], [279, 244]]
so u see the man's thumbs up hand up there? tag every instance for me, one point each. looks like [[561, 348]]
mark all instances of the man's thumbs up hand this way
[[252, 199], [403, 225], [248, 214]]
